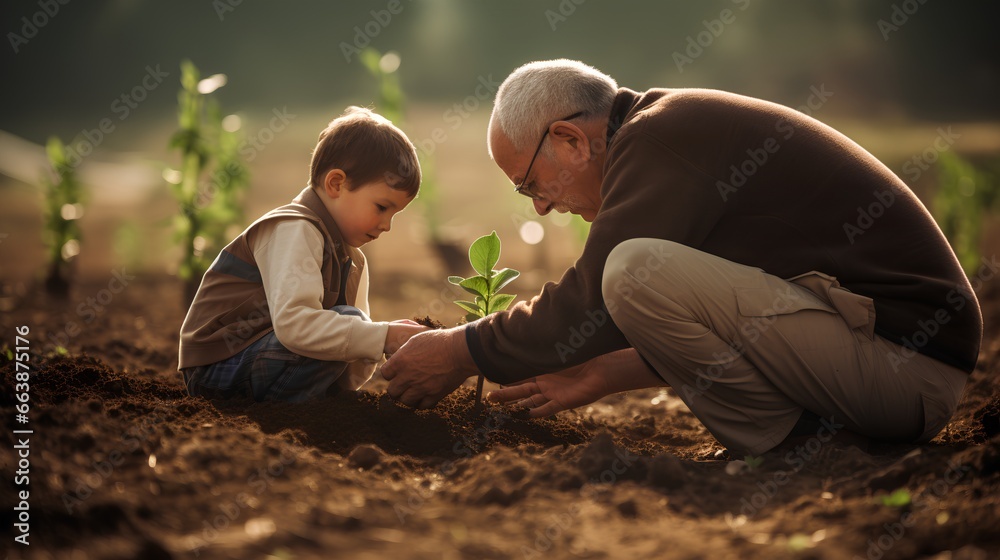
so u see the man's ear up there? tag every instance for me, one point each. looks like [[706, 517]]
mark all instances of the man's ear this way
[[574, 137], [334, 181]]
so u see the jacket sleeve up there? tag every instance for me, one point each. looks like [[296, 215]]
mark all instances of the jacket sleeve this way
[[648, 191], [289, 255]]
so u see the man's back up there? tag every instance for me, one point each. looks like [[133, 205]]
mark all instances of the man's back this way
[[763, 185]]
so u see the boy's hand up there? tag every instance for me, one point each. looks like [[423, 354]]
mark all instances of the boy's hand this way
[[399, 332]]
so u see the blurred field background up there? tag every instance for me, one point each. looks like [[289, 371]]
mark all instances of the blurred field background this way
[[899, 73]]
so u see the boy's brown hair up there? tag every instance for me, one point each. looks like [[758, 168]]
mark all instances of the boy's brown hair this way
[[367, 148]]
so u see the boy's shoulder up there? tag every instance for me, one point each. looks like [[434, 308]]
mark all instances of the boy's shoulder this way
[[291, 210], [301, 218]]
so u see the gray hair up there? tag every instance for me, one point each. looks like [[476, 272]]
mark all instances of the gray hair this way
[[539, 92]]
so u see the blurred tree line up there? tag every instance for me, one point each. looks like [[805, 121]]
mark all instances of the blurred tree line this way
[[939, 60]]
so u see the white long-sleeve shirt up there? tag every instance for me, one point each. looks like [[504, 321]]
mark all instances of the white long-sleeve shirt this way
[[289, 255]]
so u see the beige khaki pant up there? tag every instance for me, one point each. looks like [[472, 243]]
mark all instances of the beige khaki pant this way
[[748, 351]]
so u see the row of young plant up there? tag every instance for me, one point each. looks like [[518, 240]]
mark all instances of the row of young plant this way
[[210, 185], [208, 188], [211, 182]]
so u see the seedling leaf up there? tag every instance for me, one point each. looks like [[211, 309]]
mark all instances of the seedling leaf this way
[[500, 302], [484, 254], [476, 286], [501, 278], [470, 307]]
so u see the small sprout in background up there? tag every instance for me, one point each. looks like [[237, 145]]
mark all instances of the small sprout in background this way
[[390, 104], [736, 467], [799, 542], [212, 179], [898, 499], [63, 209], [383, 67], [485, 286], [753, 462], [8, 352], [966, 193]]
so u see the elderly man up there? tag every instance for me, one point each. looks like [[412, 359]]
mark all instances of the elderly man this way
[[781, 279]]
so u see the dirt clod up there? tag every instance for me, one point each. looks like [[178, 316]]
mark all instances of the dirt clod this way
[[666, 471], [428, 322], [365, 456]]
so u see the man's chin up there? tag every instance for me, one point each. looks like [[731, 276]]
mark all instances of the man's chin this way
[[588, 215]]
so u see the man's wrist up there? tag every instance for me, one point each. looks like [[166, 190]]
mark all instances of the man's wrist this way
[[460, 354]]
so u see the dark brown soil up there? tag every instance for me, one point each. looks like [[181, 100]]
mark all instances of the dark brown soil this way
[[428, 322], [123, 464]]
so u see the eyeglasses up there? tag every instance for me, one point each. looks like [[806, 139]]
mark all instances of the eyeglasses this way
[[519, 189]]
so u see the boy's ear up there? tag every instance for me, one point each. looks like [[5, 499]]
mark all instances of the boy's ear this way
[[333, 182]]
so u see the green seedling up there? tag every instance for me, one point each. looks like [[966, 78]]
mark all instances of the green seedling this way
[[799, 542], [485, 286], [898, 499], [63, 207], [212, 179], [966, 192], [753, 462], [383, 68], [391, 105]]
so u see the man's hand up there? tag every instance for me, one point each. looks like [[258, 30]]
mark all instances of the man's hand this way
[[428, 367], [570, 388], [399, 332]]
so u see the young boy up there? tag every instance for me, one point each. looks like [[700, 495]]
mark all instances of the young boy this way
[[282, 313]]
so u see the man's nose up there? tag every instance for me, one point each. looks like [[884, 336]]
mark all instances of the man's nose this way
[[541, 207]]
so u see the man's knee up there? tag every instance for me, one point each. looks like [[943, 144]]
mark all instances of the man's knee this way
[[631, 264]]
